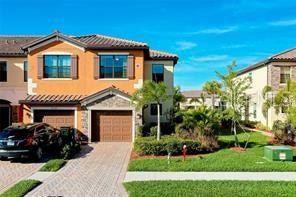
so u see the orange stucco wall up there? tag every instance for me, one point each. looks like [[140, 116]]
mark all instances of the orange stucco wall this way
[[85, 84]]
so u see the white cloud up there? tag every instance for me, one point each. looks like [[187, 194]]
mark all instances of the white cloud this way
[[185, 45], [209, 58], [221, 30], [283, 22]]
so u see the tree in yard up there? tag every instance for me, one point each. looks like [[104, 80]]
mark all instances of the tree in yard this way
[[233, 93], [267, 90], [151, 92], [212, 88]]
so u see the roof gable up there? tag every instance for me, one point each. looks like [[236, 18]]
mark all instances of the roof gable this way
[[285, 56], [56, 36], [104, 93]]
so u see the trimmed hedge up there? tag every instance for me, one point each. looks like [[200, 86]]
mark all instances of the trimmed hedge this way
[[174, 145]]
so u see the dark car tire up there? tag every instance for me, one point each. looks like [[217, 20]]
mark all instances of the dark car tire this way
[[38, 153], [3, 158]]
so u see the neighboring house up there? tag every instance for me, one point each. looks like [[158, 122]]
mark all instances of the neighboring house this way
[[13, 78], [87, 81], [196, 98], [274, 72]]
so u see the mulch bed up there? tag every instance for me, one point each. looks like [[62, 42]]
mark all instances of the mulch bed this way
[[238, 149], [135, 155]]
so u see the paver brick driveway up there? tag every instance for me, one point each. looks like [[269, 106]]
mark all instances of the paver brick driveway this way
[[98, 171], [11, 172]]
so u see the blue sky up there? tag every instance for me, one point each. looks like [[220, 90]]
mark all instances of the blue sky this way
[[206, 34]]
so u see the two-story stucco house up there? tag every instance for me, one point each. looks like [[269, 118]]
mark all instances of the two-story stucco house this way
[[273, 71], [87, 82], [13, 78]]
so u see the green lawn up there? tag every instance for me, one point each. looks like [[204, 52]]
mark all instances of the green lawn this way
[[211, 188], [222, 160], [21, 188], [53, 165]]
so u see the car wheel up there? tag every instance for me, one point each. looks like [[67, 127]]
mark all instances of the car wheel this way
[[3, 158], [39, 153]]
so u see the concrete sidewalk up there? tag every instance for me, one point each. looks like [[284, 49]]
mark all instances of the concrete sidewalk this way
[[247, 176]]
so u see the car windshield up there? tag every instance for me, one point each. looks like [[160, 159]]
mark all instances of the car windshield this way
[[14, 132]]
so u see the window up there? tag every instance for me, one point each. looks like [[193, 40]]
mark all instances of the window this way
[[57, 66], [113, 66], [3, 72], [153, 109], [157, 72], [25, 71], [285, 74]]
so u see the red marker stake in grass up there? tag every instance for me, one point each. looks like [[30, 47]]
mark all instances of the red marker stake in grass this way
[[184, 152]]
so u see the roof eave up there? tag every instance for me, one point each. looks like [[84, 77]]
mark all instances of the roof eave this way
[[48, 102], [117, 47], [13, 55]]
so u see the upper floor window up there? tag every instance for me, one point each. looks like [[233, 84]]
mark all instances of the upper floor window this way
[[285, 74], [25, 71], [3, 71], [113, 66], [57, 66], [157, 72]]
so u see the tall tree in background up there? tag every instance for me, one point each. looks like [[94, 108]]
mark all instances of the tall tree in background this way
[[151, 92], [233, 92], [212, 88], [178, 98]]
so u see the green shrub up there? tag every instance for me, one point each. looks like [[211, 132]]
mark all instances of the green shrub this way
[[140, 130], [279, 125], [249, 123], [153, 131], [69, 150], [172, 144]]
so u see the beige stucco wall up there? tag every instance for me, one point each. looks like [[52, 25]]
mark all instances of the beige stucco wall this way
[[168, 80], [265, 75], [259, 81], [15, 88]]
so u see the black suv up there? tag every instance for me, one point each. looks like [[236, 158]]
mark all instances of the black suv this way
[[28, 140]]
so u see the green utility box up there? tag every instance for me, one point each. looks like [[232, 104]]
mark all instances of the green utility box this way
[[278, 153]]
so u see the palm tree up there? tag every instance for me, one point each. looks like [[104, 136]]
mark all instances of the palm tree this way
[[212, 88], [151, 92], [234, 94], [178, 98], [198, 100]]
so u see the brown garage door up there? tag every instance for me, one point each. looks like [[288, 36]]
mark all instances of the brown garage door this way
[[112, 126], [56, 118]]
